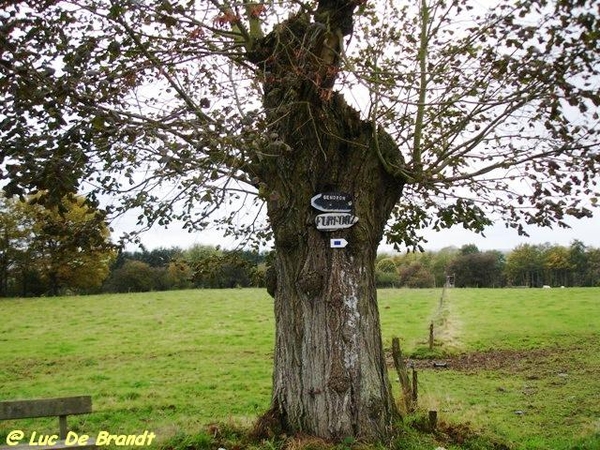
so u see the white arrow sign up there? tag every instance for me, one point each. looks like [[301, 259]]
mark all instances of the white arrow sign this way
[[338, 243], [332, 202], [335, 221]]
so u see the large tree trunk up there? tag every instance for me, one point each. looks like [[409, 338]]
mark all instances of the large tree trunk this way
[[330, 377]]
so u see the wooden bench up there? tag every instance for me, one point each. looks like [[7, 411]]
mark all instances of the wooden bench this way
[[52, 407]]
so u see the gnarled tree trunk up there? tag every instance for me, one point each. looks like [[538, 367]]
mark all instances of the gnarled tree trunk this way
[[330, 377]]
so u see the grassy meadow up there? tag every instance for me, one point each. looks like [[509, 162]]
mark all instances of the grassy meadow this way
[[529, 366], [523, 365]]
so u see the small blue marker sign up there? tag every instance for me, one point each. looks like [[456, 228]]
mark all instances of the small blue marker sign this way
[[338, 243]]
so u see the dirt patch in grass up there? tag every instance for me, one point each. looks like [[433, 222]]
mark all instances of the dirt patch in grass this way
[[462, 434], [503, 360]]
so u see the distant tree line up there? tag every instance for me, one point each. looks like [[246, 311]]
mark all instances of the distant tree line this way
[[209, 267], [67, 249], [48, 251], [200, 266], [526, 265]]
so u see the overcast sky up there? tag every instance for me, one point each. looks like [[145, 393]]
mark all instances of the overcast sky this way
[[496, 238], [499, 237]]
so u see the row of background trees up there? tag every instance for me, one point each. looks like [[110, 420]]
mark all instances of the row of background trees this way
[[200, 266], [525, 265], [209, 267], [68, 249]]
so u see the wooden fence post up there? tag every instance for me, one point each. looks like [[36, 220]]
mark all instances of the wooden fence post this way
[[402, 371], [431, 336], [433, 420], [415, 388]]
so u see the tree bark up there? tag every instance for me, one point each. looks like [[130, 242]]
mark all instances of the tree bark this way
[[330, 378]]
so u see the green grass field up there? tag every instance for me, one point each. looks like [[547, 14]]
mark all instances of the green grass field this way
[[523, 365], [530, 373]]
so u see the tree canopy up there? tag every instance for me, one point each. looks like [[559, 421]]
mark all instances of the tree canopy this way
[[50, 250], [425, 115], [494, 111]]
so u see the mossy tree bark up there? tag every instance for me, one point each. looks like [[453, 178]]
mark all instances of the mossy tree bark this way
[[330, 377]]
